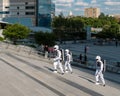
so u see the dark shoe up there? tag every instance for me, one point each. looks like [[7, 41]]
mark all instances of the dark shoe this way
[[103, 85]]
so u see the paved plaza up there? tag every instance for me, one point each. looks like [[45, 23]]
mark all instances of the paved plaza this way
[[111, 53], [25, 74]]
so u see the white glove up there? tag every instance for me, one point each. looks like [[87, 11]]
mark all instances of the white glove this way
[[54, 59]]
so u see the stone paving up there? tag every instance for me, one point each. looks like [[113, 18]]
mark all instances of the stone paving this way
[[23, 74], [109, 53]]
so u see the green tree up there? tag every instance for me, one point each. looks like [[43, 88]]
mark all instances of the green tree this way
[[73, 27], [101, 16], [68, 28], [114, 29], [15, 32], [109, 32], [45, 38]]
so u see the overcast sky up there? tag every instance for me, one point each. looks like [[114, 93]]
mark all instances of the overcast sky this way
[[77, 6]]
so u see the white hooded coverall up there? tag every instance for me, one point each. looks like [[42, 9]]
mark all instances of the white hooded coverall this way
[[57, 62], [67, 63], [99, 72]]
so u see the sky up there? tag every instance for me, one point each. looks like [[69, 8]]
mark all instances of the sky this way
[[108, 7]]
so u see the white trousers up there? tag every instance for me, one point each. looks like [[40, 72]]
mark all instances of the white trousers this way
[[58, 64], [68, 66], [99, 76]]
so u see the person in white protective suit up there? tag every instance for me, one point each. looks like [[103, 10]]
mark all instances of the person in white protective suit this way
[[68, 61], [99, 71], [57, 60]]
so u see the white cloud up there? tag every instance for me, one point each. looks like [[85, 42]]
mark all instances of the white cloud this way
[[79, 9], [81, 3], [93, 1], [113, 9], [65, 1], [58, 10], [112, 3], [76, 9], [106, 8], [63, 5], [94, 5], [77, 6], [65, 12]]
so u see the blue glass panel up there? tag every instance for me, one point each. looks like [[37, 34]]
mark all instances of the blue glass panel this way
[[23, 21]]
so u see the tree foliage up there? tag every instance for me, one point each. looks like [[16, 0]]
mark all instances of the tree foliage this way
[[65, 28], [15, 32], [45, 38], [110, 32], [74, 27]]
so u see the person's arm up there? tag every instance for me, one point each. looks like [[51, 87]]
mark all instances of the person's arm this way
[[58, 57], [69, 58], [101, 67]]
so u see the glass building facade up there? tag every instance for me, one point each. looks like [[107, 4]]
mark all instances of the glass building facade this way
[[44, 13], [31, 13]]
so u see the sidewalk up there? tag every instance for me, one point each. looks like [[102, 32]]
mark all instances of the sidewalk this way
[[33, 77], [14, 49]]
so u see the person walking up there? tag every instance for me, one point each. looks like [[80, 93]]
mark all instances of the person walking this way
[[57, 60], [68, 61], [85, 59], [80, 58], [99, 71], [86, 49], [46, 51], [116, 43]]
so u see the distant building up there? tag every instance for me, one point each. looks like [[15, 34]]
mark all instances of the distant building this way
[[31, 13], [92, 12], [44, 13], [96, 30], [4, 8], [70, 14], [117, 16]]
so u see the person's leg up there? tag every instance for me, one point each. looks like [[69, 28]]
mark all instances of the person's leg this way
[[102, 79], [61, 68], [97, 77], [55, 66], [70, 68], [66, 67]]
